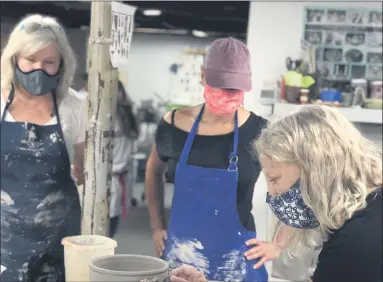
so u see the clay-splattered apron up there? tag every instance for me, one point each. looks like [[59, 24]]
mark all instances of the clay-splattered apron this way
[[204, 228], [39, 200]]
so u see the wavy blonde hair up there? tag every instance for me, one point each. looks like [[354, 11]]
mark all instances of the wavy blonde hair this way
[[30, 35], [338, 166]]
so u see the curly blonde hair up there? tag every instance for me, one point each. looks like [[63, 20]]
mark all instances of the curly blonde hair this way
[[30, 35], [338, 165]]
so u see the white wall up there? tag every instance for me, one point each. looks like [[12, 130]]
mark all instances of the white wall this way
[[150, 59]]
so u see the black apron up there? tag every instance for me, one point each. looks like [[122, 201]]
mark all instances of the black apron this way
[[39, 200]]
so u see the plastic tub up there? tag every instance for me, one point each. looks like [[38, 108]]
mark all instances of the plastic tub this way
[[128, 268], [80, 250], [331, 95]]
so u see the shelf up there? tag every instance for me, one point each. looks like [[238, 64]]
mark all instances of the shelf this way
[[358, 115]]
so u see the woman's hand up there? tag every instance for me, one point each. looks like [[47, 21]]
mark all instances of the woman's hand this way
[[159, 238], [187, 273], [263, 250]]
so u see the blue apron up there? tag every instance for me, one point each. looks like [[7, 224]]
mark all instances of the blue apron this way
[[204, 228], [39, 200]]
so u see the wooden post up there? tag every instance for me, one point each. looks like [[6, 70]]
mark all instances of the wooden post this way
[[102, 85]]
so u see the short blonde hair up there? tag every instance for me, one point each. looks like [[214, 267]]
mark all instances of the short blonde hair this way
[[337, 163], [30, 35]]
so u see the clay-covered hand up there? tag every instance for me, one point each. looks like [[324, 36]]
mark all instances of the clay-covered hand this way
[[159, 238], [263, 251], [187, 273]]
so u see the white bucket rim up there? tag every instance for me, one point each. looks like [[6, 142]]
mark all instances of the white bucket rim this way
[[122, 273], [67, 242]]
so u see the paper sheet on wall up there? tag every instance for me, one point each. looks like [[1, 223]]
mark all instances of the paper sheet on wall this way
[[185, 87], [122, 32]]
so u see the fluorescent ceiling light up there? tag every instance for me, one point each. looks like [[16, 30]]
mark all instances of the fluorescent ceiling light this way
[[198, 33], [152, 13]]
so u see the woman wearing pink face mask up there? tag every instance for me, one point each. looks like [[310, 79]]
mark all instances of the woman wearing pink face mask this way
[[207, 152]]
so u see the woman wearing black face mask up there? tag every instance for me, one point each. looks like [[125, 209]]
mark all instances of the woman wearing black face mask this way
[[42, 137]]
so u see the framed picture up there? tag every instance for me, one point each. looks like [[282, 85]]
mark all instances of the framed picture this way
[[315, 16], [354, 55], [358, 71], [374, 39], [374, 58], [314, 37], [334, 37], [341, 71], [355, 38], [333, 54], [355, 17], [374, 72], [375, 18], [335, 16]]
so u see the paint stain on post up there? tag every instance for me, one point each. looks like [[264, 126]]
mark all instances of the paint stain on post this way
[[101, 82]]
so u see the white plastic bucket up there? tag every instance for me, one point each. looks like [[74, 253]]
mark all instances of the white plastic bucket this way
[[80, 250]]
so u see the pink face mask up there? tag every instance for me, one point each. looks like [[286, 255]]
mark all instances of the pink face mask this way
[[222, 102]]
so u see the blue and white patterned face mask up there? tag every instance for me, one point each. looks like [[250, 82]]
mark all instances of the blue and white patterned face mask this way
[[291, 210]]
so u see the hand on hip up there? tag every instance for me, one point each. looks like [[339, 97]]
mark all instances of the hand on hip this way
[[263, 251]]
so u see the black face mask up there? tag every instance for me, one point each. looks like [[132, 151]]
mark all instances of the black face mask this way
[[36, 82]]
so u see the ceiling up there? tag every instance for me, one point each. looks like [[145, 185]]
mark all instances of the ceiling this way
[[223, 18]]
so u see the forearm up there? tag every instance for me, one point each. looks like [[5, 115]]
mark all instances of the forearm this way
[[78, 162], [154, 184]]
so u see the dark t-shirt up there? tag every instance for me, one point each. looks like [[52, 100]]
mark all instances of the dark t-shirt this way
[[354, 252], [213, 152]]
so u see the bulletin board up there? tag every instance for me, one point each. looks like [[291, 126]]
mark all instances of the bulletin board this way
[[186, 86], [348, 41]]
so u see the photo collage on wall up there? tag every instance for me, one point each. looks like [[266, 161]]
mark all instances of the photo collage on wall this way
[[348, 42], [189, 78]]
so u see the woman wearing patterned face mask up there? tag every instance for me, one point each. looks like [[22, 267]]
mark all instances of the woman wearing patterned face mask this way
[[323, 177], [42, 134], [207, 150]]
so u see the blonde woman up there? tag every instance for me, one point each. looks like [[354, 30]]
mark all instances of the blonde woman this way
[[42, 135], [323, 176]]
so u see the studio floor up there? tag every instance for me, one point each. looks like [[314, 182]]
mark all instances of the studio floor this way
[[134, 235]]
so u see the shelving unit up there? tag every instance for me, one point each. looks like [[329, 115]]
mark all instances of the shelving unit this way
[[358, 115], [348, 41]]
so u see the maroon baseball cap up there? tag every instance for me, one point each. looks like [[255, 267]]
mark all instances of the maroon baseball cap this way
[[227, 65]]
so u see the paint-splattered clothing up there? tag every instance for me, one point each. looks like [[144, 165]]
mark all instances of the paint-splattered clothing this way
[[73, 116], [39, 200], [204, 228]]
